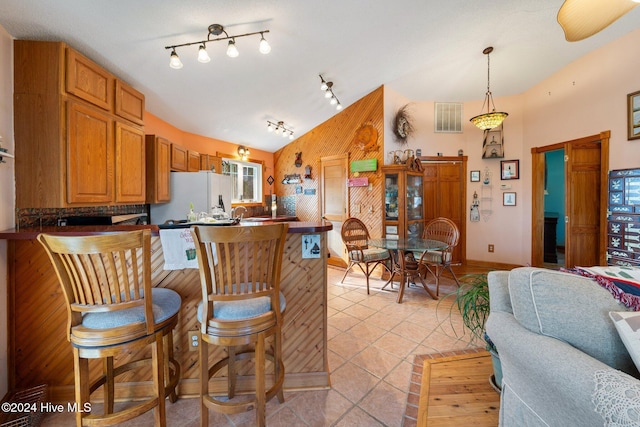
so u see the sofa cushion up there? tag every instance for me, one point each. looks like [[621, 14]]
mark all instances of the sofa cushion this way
[[570, 308], [627, 324]]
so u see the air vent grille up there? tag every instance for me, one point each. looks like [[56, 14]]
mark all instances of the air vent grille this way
[[448, 117]]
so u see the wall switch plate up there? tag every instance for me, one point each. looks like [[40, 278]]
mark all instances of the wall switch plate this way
[[491, 248], [193, 340]]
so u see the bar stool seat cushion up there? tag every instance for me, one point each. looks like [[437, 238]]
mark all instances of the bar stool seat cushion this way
[[166, 303], [242, 309]]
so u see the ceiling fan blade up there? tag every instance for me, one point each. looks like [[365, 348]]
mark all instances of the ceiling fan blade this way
[[583, 18]]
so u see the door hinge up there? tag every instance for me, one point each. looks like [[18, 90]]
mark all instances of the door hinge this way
[[566, 158], [566, 219]]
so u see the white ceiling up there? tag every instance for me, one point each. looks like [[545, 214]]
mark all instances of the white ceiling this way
[[426, 50]]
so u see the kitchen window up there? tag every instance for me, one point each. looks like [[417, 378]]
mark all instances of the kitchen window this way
[[246, 178]]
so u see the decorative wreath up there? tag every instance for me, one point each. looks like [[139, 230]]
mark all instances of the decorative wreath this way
[[402, 124]]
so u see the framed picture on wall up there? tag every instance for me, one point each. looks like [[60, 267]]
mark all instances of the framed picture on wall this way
[[633, 115], [508, 198], [475, 176], [509, 169], [493, 144]]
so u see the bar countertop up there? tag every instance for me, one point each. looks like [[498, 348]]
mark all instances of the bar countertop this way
[[28, 233]]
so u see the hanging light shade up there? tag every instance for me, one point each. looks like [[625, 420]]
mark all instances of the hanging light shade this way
[[232, 50], [491, 118], [175, 62], [265, 47], [203, 56]]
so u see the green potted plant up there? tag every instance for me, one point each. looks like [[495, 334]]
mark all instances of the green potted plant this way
[[471, 298]]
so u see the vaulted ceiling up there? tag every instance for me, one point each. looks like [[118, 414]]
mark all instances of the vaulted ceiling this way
[[426, 50]]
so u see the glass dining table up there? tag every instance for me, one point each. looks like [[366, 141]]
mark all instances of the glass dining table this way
[[404, 262]]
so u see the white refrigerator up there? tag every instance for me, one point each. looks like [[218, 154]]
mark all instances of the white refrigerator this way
[[204, 189]]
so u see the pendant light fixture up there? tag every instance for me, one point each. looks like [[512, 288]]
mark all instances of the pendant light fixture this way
[[216, 30], [491, 118]]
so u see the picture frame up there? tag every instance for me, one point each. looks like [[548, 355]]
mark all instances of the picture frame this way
[[633, 115], [508, 198], [493, 143], [475, 176], [509, 169]]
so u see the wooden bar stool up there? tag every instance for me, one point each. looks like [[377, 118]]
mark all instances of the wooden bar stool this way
[[242, 306], [113, 312]]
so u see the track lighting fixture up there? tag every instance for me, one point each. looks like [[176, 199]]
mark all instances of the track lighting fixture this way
[[216, 30], [327, 87], [279, 129]]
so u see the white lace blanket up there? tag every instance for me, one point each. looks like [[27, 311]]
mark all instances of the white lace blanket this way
[[617, 398]]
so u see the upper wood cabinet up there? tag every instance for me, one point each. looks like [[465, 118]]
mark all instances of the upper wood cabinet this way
[[193, 161], [209, 162], [129, 103], [130, 164], [89, 155], [89, 81], [158, 170], [78, 131], [179, 160]]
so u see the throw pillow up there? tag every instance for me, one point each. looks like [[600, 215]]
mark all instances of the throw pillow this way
[[627, 324]]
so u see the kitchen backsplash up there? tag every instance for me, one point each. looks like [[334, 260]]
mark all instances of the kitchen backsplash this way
[[49, 216]]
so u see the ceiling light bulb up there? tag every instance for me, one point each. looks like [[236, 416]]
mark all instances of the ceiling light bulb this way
[[232, 50], [203, 56], [323, 85], [291, 135], [284, 134], [264, 46], [270, 128], [333, 101], [175, 62], [328, 94], [339, 106], [278, 131]]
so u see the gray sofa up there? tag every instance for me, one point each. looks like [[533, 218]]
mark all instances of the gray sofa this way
[[563, 362]]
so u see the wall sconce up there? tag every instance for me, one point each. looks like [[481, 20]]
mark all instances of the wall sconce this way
[[4, 153], [216, 30], [279, 129], [243, 152], [327, 88]]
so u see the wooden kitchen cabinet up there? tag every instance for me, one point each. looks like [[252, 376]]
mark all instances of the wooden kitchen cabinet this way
[[209, 162], [193, 161], [89, 155], [78, 131], [130, 164], [158, 169], [179, 159]]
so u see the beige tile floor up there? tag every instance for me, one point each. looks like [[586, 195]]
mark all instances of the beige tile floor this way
[[372, 344]]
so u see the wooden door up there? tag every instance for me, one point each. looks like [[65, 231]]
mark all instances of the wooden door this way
[[89, 155], [335, 203], [130, 164], [586, 166], [445, 195], [583, 202]]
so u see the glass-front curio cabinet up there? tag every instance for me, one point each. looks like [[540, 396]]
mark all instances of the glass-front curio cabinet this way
[[403, 202]]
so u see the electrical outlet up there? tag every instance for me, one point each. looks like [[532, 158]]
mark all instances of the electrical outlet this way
[[491, 248], [193, 340]]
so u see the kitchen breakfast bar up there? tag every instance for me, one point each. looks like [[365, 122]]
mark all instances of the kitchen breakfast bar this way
[[39, 352]]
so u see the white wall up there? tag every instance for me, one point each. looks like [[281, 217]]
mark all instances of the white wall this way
[[7, 188], [585, 98]]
